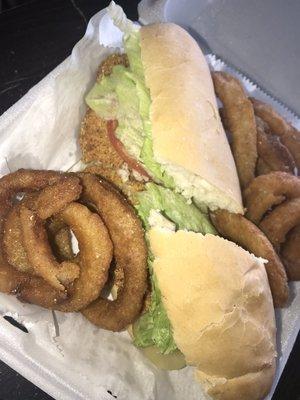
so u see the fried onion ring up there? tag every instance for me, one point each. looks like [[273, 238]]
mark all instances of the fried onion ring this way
[[96, 252], [25, 239], [130, 253], [280, 221], [95, 256], [39, 252], [237, 228], [25, 180], [290, 254], [267, 191], [13, 241], [273, 155], [289, 135], [239, 116], [36, 290], [58, 233], [54, 198], [11, 280], [49, 201]]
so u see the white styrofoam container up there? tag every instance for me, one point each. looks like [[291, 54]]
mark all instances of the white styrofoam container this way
[[72, 359]]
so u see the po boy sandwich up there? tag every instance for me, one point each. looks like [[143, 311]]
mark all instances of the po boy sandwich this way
[[154, 130]]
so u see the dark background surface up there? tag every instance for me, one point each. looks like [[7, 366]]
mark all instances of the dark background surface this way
[[35, 36]]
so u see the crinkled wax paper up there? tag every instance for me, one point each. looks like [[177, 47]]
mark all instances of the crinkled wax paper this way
[[72, 359]]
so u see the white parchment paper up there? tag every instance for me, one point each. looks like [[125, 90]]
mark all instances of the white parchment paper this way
[[80, 361]]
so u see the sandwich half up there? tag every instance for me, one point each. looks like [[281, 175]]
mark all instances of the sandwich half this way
[[219, 303], [161, 116]]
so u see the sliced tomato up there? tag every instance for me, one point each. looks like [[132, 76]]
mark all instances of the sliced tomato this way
[[120, 149]]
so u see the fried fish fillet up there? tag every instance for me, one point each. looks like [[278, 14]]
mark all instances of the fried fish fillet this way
[[97, 150]]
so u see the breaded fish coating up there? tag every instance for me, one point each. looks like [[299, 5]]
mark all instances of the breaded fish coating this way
[[97, 150]]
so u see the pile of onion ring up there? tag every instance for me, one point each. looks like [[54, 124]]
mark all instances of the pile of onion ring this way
[[261, 140], [39, 212], [273, 204], [266, 149]]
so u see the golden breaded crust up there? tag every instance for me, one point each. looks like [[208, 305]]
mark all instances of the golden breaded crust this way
[[95, 145], [108, 64]]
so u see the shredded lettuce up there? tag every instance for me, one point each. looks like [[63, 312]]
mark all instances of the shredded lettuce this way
[[154, 327], [174, 206]]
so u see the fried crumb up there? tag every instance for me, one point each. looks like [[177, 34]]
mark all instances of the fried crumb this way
[[97, 151]]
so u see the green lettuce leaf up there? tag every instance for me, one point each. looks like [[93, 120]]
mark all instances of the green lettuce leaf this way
[[133, 51], [173, 206], [154, 327]]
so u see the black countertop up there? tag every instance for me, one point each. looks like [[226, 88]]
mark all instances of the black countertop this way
[[34, 38]]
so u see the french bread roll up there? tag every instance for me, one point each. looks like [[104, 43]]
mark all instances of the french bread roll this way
[[218, 300], [188, 136]]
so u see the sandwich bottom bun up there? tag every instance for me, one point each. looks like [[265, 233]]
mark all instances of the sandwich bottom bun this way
[[219, 303]]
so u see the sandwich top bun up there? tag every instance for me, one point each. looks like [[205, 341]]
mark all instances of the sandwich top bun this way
[[219, 303], [188, 136]]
